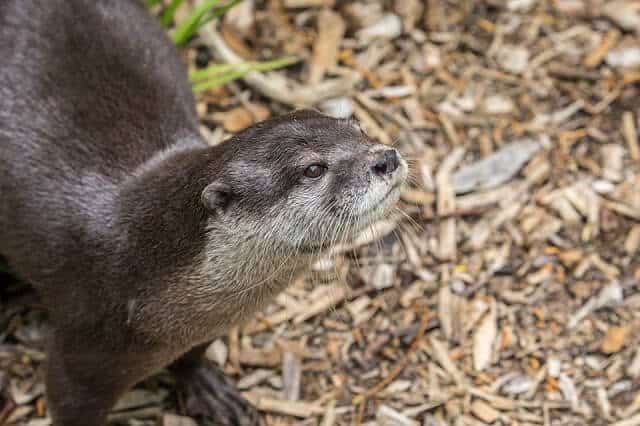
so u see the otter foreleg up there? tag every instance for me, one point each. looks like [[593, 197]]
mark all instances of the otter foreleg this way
[[83, 383], [208, 393]]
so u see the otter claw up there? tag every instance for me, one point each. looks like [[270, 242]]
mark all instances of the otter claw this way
[[208, 394]]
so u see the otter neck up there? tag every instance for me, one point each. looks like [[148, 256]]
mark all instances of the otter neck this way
[[159, 209], [215, 274]]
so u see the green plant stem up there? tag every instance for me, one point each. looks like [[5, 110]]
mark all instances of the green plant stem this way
[[203, 14], [170, 12], [217, 75]]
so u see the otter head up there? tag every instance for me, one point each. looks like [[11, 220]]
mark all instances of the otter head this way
[[299, 183]]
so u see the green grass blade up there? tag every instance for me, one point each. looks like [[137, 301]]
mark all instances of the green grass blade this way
[[217, 75], [169, 13], [210, 71], [206, 12], [151, 3], [219, 81], [274, 64], [185, 29]]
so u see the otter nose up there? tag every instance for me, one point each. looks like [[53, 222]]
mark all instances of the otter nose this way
[[386, 163]]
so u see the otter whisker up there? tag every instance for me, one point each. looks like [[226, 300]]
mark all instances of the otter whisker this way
[[343, 233], [417, 227]]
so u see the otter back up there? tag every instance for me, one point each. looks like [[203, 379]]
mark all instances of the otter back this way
[[89, 90]]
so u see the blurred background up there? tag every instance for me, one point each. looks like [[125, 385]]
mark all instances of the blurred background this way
[[506, 293]]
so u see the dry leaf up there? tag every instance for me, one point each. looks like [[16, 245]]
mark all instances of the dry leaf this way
[[614, 340]]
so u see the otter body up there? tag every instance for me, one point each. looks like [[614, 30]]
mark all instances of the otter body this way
[[143, 242]]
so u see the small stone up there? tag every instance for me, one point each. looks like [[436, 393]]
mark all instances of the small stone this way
[[614, 340], [389, 27], [521, 5], [466, 103], [458, 286], [398, 386], [610, 296], [568, 389], [432, 56], [498, 104], [484, 411], [553, 367], [380, 276], [514, 59], [602, 186], [518, 385], [627, 57]]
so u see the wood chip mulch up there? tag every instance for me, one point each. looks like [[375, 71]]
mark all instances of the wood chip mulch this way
[[507, 292]]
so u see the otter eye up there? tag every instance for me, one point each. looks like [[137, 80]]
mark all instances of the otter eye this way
[[314, 171]]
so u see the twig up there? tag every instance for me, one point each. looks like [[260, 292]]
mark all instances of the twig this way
[[275, 86], [362, 399]]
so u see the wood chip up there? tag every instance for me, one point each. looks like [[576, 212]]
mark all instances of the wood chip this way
[[484, 411], [484, 338], [387, 416], [614, 340], [496, 169], [331, 29], [441, 354], [631, 135], [633, 370], [613, 162], [240, 118], [295, 4], [335, 296], [625, 13], [632, 242], [608, 42], [632, 421], [173, 420], [446, 204], [260, 357], [288, 408], [291, 376], [529, 255]]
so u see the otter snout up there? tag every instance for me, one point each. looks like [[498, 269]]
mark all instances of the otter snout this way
[[386, 163]]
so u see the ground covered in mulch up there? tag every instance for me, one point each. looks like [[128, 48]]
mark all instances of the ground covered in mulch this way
[[507, 291]]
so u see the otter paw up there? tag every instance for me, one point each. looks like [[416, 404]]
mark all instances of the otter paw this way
[[206, 393]]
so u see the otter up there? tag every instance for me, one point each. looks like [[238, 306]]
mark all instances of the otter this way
[[143, 242]]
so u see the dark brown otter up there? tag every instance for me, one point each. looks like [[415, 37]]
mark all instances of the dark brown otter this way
[[143, 242]]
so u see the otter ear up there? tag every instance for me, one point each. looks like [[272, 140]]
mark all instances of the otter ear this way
[[216, 196]]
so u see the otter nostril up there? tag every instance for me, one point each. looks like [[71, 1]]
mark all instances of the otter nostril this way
[[387, 163]]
